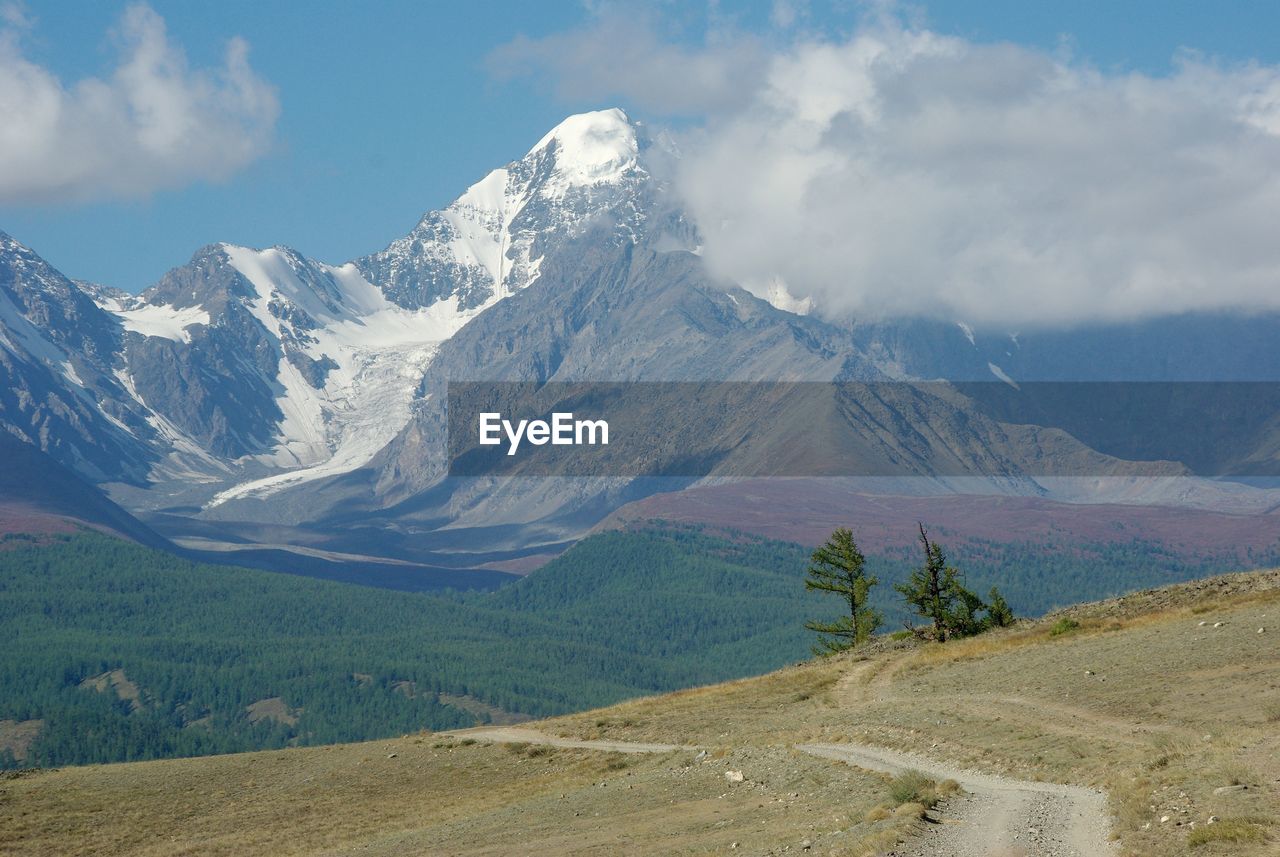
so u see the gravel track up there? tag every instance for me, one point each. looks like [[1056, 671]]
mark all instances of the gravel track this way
[[995, 817], [998, 816]]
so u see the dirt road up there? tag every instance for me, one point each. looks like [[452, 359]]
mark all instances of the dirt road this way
[[998, 816]]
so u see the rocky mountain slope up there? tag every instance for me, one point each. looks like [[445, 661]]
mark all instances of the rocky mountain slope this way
[[39, 497], [248, 370], [259, 387], [58, 350]]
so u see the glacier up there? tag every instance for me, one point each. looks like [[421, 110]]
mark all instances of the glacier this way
[[374, 325]]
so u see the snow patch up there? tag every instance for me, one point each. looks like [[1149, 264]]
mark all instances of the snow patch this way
[[480, 220], [967, 331], [69, 372], [590, 148], [159, 320], [379, 352], [1000, 373]]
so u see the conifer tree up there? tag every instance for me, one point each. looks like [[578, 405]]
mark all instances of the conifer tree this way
[[925, 588], [937, 592], [838, 567], [999, 613]]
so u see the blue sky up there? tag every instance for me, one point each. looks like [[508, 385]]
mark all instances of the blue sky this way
[[389, 109]]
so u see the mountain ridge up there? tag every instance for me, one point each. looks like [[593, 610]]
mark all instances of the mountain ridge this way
[[223, 357], [260, 386]]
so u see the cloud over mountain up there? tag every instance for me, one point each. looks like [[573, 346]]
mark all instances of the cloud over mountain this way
[[153, 123], [627, 53], [898, 171]]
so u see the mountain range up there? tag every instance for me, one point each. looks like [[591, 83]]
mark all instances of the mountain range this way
[[259, 397]]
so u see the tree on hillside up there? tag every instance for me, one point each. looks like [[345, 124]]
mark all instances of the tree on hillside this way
[[936, 592], [838, 567], [999, 613]]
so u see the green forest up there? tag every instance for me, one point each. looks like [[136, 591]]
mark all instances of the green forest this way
[[205, 650]]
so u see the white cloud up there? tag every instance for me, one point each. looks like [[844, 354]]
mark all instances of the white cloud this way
[[153, 124], [621, 54], [903, 172], [15, 16], [785, 13]]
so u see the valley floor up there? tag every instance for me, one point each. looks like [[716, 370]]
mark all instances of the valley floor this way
[[1168, 702]]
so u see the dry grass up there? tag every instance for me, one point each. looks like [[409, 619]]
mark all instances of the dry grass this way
[[910, 810], [1090, 619], [913, 787], [738, 713], [1236, 831], [437, 796]]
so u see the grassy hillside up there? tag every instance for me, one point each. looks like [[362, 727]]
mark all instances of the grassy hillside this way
[[1046, 573], [112, 652], [1167, 700]]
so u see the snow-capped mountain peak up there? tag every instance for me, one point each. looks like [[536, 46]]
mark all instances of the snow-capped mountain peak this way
[[589, 148], [490, 242], [355, 340]]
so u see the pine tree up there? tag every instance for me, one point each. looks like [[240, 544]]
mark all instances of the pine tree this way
[[923, 589], [936, 592], [838, 567], [999, 613]]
